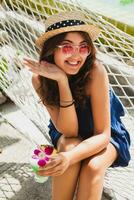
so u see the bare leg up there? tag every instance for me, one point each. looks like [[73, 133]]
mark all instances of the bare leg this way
[[92, 174], [63, 187]]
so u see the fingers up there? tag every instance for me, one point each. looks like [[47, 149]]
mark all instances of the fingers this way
[[44, 69], [58, 173], [48, 172], [51, 172], [52, 168], [34, 65], [53, 163], [56, 166], [31, 63]]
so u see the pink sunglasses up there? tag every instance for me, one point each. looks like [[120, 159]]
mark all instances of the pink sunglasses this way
[[70, 49]]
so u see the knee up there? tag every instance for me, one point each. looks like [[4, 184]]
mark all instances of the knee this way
[[66, 144], [94, 166]]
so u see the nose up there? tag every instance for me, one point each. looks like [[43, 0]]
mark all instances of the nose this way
[[76, 51], [75, 56]]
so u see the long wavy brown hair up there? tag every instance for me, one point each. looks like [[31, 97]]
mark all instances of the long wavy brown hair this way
[[49, 90]]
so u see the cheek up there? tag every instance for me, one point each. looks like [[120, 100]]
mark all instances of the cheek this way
[[58, 58]]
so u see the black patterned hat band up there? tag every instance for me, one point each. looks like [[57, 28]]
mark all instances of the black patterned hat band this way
[[64, 23]]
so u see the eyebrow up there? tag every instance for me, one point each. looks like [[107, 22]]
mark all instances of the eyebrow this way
[[72, 41]]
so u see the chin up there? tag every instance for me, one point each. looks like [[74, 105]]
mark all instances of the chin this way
[[72, 72]]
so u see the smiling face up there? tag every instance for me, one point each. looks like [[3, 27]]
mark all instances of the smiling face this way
[[71, 63]]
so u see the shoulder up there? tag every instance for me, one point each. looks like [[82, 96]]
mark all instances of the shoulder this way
[[98, 77], [98, 71]]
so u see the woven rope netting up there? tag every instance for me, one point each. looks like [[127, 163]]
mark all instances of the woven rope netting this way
[[21, 21]]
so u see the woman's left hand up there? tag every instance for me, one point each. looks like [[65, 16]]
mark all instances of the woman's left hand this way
[[56, 166]]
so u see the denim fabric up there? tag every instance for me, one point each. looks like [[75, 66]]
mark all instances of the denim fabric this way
[[119, 135]]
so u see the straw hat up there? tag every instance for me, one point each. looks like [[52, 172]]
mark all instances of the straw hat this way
[[65, 22]]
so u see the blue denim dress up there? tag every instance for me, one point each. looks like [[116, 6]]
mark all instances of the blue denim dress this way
[[119, 135]]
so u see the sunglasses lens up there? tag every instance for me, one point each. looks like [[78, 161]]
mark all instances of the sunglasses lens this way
[[67, 49], [84, 49]]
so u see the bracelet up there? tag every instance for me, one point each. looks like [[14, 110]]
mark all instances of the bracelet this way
[[68, 105], [67, 101]]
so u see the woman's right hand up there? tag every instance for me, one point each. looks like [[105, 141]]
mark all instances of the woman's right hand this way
[[45, 69]]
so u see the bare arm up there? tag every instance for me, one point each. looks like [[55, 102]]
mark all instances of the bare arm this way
[[67, 121]]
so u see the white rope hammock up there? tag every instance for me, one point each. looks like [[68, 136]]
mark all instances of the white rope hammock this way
[[20, 23]]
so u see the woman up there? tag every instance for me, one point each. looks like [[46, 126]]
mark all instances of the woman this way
[[85, 124]]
